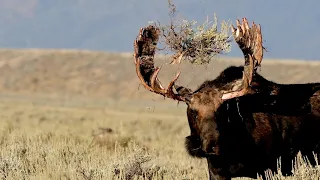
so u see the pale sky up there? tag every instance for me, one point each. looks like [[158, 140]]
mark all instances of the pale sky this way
[[290, 28]]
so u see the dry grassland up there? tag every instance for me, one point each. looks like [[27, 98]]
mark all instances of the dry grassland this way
[[80, 115], [50, 142]]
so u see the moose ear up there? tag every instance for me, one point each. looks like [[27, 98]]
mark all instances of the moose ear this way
[[184, 92]]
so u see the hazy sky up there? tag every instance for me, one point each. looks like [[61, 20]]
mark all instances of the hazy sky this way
[[290, 28]]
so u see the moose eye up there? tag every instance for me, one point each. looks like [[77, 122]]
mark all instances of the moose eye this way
[[193, 113]]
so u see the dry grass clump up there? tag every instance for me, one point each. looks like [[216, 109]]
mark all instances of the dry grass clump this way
[[197, 44], [107, 138], [302, 170], [138, 164]]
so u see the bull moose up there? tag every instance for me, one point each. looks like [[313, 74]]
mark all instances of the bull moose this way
[[240, 122]]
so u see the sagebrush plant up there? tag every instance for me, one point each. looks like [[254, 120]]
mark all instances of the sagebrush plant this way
[[198, 44]]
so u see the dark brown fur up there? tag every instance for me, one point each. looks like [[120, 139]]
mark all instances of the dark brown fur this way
[[244, 136]]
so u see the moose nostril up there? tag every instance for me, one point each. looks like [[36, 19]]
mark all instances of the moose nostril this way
[[208, 148]]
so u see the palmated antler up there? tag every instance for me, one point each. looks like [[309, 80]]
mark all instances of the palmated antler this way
[[144, 50], [250, 42]]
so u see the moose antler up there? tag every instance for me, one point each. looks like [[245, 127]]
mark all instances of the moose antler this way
[[250, 42], [144, 50]]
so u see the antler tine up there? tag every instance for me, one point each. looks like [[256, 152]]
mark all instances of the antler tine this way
[[171, 84], [157, 86], [144, 50], [258, 48], [155, 83], [239, 31]]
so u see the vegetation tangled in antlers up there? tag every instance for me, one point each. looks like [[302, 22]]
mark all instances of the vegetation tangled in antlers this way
[[197, 44]]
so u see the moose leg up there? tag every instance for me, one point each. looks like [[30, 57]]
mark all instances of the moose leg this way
[[286, 164], [215, 173]]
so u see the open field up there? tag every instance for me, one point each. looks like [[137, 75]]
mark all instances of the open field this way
[[43, 141], [53, 103]]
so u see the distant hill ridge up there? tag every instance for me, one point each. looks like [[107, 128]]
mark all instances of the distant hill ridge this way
[[103, 74]]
